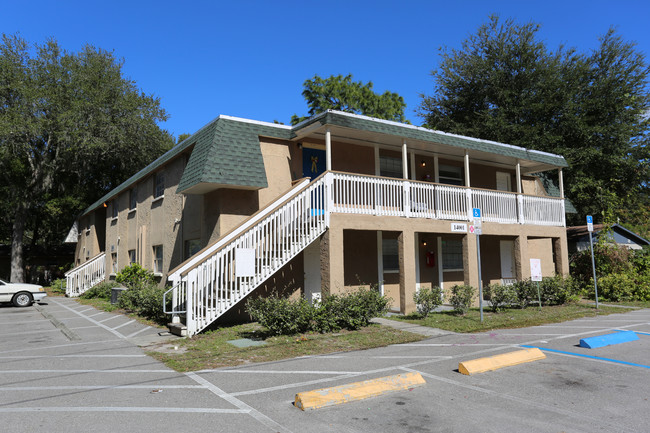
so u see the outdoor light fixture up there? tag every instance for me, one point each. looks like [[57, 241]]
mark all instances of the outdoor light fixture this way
[[424, 164], [424, 243]]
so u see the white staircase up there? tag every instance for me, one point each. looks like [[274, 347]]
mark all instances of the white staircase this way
[[216, 279], [85, 276]]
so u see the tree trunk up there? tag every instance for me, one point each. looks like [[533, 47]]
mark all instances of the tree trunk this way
[[17, 259]]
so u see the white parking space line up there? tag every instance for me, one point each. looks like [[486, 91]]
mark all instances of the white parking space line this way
[[137, 332], [20, 323], [293, 385], [59, 346], [458, 344], [96, 387], [279, 372], [83, 311], [111, 330], [123, 324], [110, 318], [124, 409], [33, 332], [83, 371], [98, 314], [70, 356], [238, 403]]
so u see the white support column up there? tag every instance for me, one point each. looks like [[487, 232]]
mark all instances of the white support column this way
[[328, 149], [377, 167], [520, 198], [468, 190], [413, 166], [405, 166], [436, 172], [467, 169], [561, 178]]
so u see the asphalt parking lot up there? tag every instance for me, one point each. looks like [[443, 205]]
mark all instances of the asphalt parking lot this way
[[65, 367]]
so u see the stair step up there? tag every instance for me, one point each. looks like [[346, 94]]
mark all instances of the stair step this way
[[178, 329]]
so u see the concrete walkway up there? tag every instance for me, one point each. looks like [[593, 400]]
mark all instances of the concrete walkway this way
[[410, 327]]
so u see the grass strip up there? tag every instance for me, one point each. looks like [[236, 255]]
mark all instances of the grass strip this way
[[510, 318], [212, 350]]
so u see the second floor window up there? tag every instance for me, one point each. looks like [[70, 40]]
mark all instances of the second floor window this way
[[114, 209], [390, 166], [133, 199], [450, 175], [157, 259], [159, 185]]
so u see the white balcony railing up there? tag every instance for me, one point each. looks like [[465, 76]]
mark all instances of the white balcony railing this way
[[371, 195]]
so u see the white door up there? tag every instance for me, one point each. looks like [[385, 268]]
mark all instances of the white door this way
[[503, 181], [507, 259]]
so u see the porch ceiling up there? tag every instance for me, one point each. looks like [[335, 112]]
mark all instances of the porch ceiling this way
[[363, 131]]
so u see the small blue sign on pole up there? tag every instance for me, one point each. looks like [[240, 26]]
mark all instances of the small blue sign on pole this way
[[476, 212], [590, 219]]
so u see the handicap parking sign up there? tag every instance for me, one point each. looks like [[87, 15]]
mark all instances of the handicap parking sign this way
[[476, 212]]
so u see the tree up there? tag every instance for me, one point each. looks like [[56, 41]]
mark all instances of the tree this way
[[503, 84], [343, 94], [71, 128]]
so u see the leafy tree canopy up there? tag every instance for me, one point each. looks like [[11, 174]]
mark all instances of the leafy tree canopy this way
[[72, 127], [504, 84], [341, 93]]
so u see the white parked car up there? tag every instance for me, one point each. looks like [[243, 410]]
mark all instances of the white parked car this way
[[19, 294]]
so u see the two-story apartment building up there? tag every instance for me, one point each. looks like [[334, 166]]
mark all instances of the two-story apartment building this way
[[336, 202]]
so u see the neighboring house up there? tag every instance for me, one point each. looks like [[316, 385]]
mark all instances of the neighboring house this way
[[578, 237], [336, 202]]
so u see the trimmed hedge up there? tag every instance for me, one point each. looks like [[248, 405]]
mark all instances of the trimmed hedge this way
[[284, 316]]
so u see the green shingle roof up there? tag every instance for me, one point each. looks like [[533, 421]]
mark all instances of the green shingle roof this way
[[229, 153], [553, 190], [227, 150]]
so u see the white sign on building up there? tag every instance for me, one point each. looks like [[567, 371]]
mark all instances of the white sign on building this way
[[458, 227]]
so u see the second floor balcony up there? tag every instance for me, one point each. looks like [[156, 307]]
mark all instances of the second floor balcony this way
[[373, 195]]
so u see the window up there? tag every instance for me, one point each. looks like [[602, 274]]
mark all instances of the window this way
[[157, 259], [131, 257], [133, 199], [114, 209], [452, 255], [114, 262], [450, 175], [390, 255], [503, 181], [192, 247], [390, 166], [159, 185]]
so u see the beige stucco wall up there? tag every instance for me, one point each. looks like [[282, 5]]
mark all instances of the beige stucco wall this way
[[353, 159], [542, 249]]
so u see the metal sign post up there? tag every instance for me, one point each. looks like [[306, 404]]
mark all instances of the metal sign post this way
[[476, 212], [590, 228]]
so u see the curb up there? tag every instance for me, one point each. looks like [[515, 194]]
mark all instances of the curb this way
[[357, 391], [481, 365]]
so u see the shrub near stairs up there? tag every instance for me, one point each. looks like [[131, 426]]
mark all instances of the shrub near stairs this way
[[283, 316]]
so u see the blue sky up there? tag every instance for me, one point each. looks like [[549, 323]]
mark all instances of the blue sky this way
[[249, 58]]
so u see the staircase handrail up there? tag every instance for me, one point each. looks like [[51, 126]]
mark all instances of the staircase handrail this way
[[86, 263], [210, 250]]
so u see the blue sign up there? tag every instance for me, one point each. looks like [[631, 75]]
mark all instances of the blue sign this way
[[476, 212], [590, 219]]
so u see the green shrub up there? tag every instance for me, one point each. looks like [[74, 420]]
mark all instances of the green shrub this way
[[609, 259], [101, 290], [145, 301], [555, 291], [500, 296], [526, 292], [58, 286], [134, 276], [461, 298], [427, 299], [283, 316]]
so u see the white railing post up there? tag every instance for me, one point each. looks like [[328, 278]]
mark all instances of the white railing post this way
[[329, 197], [468, 192], [407, 199], [520, 208]]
